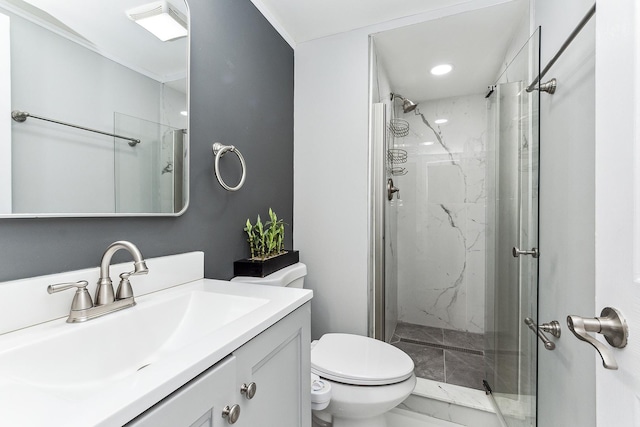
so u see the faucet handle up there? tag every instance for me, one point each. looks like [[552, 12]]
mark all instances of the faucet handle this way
[[81, 300], [124, 288]]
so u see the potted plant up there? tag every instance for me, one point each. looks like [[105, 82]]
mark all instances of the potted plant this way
[[266, 244]]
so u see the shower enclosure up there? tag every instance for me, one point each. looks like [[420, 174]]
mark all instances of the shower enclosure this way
[[454, 196]]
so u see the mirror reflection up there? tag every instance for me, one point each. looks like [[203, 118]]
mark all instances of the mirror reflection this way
[[85, 81]]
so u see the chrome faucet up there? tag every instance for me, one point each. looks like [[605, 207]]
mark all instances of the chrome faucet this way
[[83, 308], [104, 292]]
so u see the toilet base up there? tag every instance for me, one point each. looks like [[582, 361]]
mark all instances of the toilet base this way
[[318, 422]]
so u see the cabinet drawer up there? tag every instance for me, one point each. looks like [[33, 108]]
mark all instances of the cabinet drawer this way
[[197, 404]]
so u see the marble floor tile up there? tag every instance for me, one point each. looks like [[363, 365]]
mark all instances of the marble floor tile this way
[[461, 339], [429, 361], [464, 369], [419, 333]]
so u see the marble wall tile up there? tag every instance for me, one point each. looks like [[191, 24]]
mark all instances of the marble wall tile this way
[[441, 217]]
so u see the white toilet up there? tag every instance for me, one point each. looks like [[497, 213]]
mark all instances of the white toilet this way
[[355, 379]]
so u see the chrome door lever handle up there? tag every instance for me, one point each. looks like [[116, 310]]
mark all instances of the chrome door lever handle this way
[[611, 324], [516, 252], [552, 327]]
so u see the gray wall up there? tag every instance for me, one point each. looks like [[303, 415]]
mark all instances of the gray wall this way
[[241, 94]]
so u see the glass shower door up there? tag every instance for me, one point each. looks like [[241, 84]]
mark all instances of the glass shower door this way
[[512, 212], [149, 177]]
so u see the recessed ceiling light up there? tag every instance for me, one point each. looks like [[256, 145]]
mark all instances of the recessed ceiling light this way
[[184, 113], [440, 121], [427, 143], [161, 19], [441, 69]]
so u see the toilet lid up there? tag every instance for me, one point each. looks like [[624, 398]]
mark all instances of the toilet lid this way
[[358, 360]]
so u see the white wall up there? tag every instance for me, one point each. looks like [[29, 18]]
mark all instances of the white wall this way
[[567, 215], [330, 174], [5, 115]]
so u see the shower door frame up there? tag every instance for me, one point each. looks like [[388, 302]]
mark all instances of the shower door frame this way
[[377, 299]]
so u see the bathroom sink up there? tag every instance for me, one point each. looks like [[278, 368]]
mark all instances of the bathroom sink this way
[[73, 359], [108, 370]]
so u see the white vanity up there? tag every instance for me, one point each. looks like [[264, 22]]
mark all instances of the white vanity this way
[[191, 350]]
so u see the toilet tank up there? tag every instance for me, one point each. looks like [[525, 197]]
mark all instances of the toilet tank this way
[[292, 276]]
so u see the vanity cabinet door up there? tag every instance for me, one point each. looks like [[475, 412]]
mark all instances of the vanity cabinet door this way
[[197, 404], [278, 362]]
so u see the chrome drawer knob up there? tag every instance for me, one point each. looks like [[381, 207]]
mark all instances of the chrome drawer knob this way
[[249, 390], [231, 413]]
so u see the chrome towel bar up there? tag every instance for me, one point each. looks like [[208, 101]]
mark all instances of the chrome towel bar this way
[[219, 150], [21, 116]]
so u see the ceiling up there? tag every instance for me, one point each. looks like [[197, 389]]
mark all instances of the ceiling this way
[[407, 53], [476, 43], [304, 20]]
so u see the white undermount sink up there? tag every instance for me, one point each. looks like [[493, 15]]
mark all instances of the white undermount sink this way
[[76, 358]]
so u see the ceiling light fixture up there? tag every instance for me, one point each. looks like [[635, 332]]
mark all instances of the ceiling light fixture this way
[[441, 69], [440, 121], [161, 19], [184, 113]]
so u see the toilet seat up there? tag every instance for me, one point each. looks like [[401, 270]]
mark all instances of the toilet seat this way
[[358, 360]]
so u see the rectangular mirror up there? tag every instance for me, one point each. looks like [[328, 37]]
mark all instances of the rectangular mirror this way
[[93, 109]]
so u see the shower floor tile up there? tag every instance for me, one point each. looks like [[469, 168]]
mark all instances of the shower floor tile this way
[[461, 339], [428, 361], [464, 369], [453, 357]]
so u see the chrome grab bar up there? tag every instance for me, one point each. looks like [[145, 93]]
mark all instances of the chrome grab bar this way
[[552, 327], [564, 46], [21, 116]]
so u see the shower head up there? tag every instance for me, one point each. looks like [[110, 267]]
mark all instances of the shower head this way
[[407, 104]]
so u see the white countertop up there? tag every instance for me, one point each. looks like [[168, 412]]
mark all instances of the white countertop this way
[[117, 401]]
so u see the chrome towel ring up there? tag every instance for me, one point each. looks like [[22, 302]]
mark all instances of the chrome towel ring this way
[[219, 150]]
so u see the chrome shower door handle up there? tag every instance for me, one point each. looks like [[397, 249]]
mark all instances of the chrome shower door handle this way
[[516, 252], [553, 328], [611, 324]]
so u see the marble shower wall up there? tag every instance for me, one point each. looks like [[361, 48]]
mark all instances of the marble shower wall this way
[[441, 215]]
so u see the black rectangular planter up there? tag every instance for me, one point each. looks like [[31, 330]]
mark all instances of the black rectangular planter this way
[[258, 268]]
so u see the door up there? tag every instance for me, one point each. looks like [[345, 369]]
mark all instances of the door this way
[[273, 381], [617, 190]]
